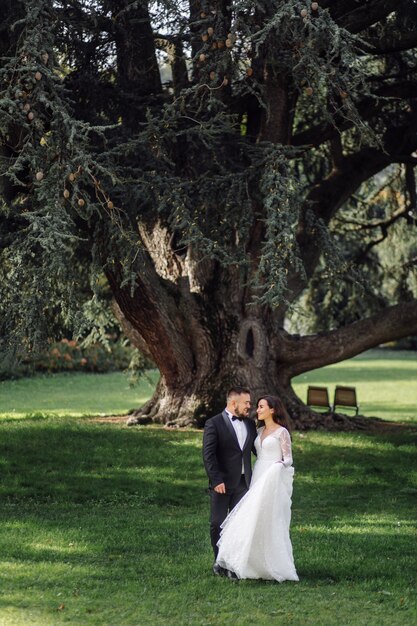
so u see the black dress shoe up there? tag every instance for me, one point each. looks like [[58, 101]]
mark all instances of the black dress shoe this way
[[231, 575], [218, 570]]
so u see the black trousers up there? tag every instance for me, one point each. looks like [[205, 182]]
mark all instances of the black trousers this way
[[221, 505]]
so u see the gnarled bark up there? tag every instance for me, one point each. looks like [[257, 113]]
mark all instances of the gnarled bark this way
[[207, 338], [196, 319]]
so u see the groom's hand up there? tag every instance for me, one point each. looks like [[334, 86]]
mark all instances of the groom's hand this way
[[220, 488]]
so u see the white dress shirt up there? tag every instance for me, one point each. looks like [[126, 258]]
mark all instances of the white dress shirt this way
[[240, 430]]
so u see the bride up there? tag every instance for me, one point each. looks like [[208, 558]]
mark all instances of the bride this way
[[255, 539]]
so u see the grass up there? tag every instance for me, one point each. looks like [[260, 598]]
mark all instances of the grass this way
[[108, 526], [385, 382], [384, 379], [74, 394], [102, 525]]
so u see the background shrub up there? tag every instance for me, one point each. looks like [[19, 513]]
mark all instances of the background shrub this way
[[69, 355]]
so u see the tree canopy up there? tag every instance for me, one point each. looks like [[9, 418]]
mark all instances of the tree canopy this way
[[234, 174]]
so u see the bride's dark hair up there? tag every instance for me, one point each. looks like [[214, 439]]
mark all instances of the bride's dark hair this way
[[280, 415]]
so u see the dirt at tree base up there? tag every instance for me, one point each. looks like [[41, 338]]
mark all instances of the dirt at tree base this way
[[339, 423]]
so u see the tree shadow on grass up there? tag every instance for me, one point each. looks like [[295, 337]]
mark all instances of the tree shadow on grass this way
[[354, 475], [347, 556], [68, 463], [93, 507], [131, 503]]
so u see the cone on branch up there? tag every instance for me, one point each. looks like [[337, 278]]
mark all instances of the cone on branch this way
[[203, 204]]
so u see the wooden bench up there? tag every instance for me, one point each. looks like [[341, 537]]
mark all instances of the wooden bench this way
[[318, 397], [345, 397]]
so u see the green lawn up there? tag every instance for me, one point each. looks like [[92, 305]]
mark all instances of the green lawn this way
[[385, 381], [102, 525], [75, 394], [105, 525]]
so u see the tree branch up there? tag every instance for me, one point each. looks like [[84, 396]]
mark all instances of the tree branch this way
[[330, 194], [153, 309], [384, 224], [367, 108], [310, 352], [356, 18], [390, 44], [326, 198]]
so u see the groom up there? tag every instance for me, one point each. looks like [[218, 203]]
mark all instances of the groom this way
[[227, 444]]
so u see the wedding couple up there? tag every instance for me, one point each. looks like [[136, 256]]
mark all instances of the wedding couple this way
[[250, 514]]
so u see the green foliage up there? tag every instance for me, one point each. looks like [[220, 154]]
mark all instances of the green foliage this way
[[53, 197], [69, 356], [320, 56], [283, 205], [90, 149], [386, 275]]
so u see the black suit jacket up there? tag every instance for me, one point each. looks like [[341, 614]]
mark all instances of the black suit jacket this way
[[222, 454]]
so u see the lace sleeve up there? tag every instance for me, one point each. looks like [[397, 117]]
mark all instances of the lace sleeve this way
[[285, 441]]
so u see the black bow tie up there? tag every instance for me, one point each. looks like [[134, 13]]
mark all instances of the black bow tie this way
[[235, 417]]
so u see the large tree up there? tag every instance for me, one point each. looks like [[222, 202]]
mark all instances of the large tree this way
[[224, 165]]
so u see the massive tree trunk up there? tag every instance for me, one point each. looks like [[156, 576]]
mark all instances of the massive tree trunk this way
[[193, 318], [240, 109], [205, 343], [196, 318]]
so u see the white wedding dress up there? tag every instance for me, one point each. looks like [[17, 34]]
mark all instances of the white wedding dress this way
[[255, 539]]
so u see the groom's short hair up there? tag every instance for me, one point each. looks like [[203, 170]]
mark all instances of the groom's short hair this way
[[236, 391]]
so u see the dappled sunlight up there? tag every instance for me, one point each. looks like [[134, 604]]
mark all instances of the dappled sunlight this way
[[342, 482], [354, 524], [88, 462], [97, 516], [354, 550], [33, 566], [375, 443], [186, 443], [56, 548]]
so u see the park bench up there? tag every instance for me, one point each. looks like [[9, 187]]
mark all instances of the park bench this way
[[346, 398], [318, 397]]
